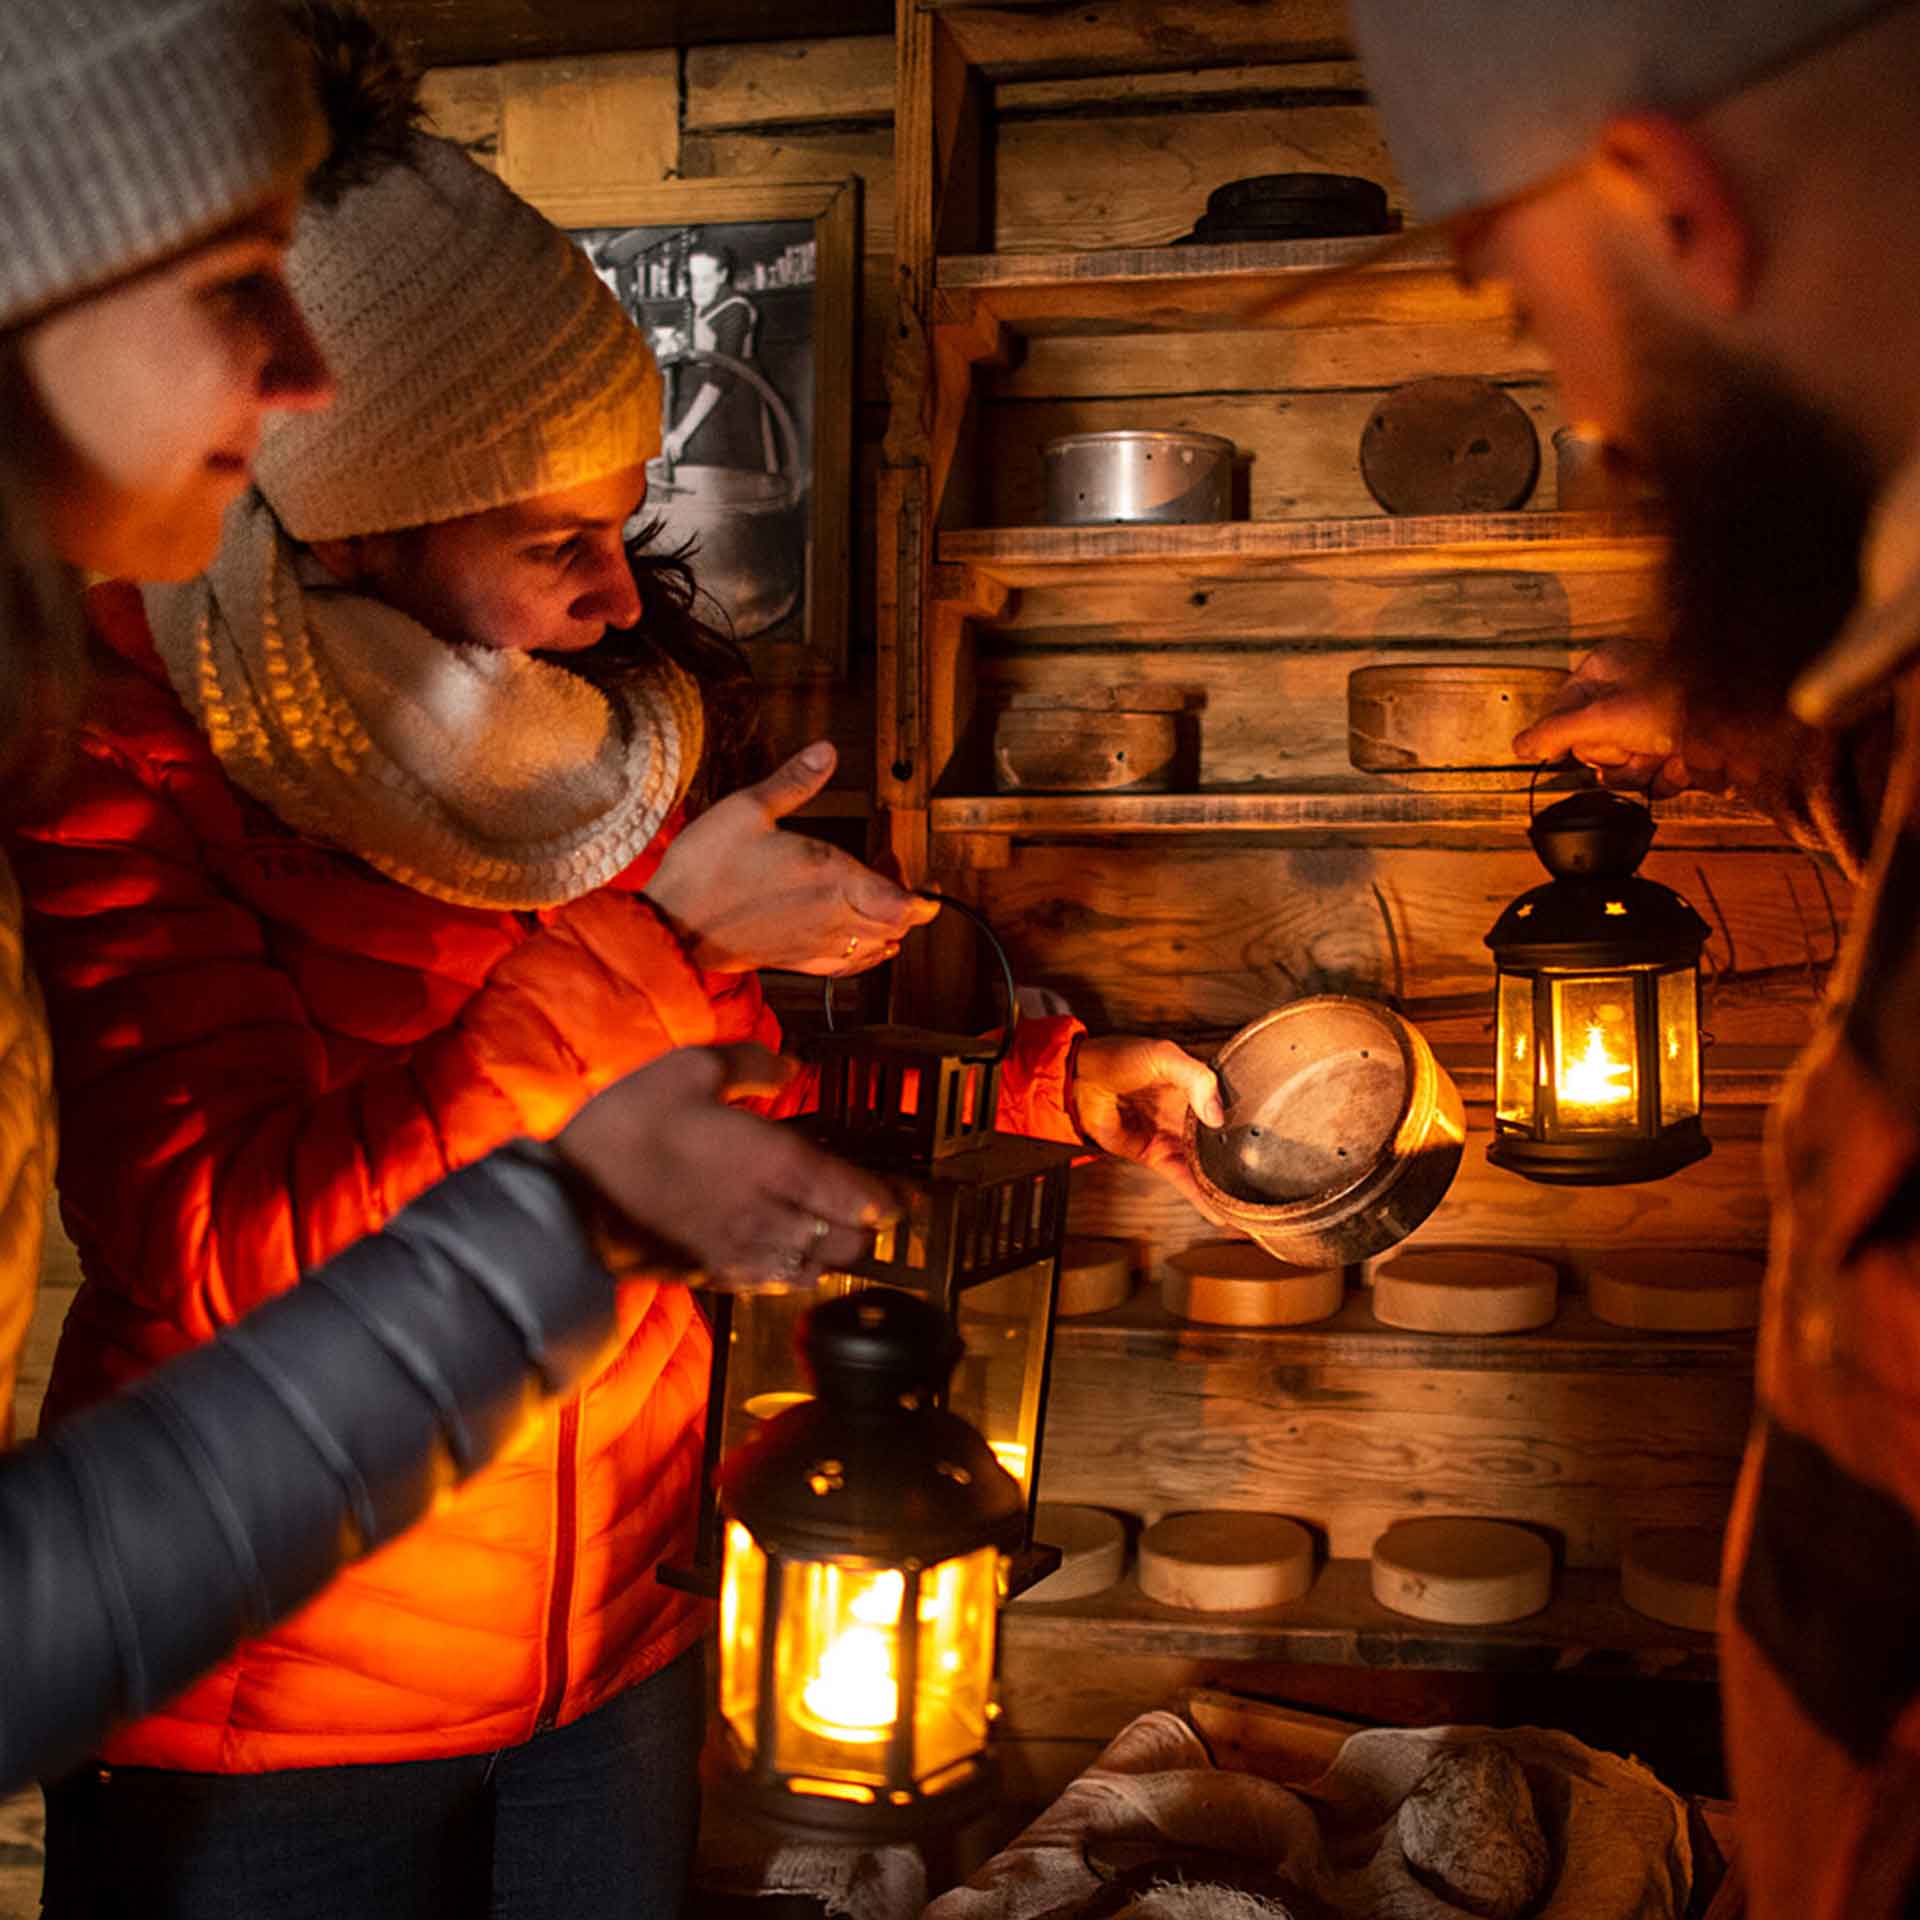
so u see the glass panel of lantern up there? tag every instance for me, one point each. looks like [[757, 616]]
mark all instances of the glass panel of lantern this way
[[866, 1541], [1597, 1008], [983, 1221]]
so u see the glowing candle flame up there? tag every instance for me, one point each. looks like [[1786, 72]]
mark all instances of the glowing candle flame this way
[[853, 1695], [1596, 1079]]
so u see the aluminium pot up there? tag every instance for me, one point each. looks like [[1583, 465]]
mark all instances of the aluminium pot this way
[[1343, 1132], [1129, 477]]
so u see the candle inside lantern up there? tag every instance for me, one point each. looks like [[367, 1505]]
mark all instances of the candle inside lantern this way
[[853, 1694], [763, 1406], [1596, 1082]]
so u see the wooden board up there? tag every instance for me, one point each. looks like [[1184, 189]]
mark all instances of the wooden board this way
[[1575, 1342], [1093, 1549], [788, 83], [1143, 181], [1200, 938], [1263, 717], [1298, 452], [1225, 1562], [1585, 1629], [1690, 1290], [1234, 1284], [1672, 1574], [1462, 1572], [1364, 356], [1465, 1291], [1721, 1200], [1521, 605], [1223, 1418], [1026, 38]]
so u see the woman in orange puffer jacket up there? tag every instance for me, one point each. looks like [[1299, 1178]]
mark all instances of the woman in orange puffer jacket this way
[[338, 903]]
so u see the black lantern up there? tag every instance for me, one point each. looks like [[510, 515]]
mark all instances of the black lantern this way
[[983, 1222], [867, 1535], [1597, 1008]]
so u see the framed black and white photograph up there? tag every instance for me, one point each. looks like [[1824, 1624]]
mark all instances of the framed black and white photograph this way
[[746, 292]]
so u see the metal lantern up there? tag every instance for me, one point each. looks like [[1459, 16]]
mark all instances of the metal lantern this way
[[1597, 1005], [867, 1532], [983, 1222]]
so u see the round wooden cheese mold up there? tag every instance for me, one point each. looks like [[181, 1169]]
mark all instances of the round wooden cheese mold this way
[[1225, 1562], [1463, 1573], [1686, 1290], [1465, 1291], [1449, 444], [1445, 725], [1093, 1550], [1094, 1276], [1232, 1283], [1672, 1574]]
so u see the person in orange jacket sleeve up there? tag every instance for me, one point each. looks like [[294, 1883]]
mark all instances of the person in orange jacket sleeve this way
[[379, 854]]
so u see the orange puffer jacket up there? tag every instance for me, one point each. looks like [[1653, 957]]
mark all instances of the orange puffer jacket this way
[[265, 1049]]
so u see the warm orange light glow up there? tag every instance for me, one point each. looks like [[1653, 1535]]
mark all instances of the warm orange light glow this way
[[763, 1406], [1595, 1080], [853, 1694], [1011, 1455]]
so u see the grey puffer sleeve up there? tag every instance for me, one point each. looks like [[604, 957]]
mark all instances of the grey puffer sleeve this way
[[142, 1539]]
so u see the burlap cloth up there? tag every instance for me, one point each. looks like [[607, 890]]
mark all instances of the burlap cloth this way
[[1617, 1836]]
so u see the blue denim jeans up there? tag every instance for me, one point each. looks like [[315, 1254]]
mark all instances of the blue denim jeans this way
[[594, 1821]]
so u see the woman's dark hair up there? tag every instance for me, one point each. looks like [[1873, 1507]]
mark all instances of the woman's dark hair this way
[[43, 631], [673, 624]]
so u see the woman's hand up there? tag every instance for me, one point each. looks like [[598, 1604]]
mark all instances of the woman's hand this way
[[1131, 1098], [743, 893], [749, 1201]]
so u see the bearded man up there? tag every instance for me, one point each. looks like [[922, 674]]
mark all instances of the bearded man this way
[[1709, 215]]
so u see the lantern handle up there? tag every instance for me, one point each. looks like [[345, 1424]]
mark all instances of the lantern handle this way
[[992, 939], [1598, 785]]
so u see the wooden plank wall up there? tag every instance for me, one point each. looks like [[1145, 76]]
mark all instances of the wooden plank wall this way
[[1192, 937]]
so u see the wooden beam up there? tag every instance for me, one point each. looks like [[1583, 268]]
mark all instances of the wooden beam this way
[[455, 32], [790, 83], [1091, 36]]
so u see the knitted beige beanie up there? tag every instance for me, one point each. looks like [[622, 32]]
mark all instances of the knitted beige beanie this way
[[479, 358], [129, 129]]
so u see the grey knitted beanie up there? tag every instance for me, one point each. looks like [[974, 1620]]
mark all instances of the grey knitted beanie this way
[[1485, 98], [129, 129], [479, 359]]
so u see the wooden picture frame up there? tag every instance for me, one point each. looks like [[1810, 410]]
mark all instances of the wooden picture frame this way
[[764, 477]]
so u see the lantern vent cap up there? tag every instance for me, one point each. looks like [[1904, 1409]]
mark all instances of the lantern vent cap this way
[[1593, 834], [880, 1347], [872, 1469]]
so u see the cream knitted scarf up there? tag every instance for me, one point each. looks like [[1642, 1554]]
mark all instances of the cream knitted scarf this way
[[486, 778]]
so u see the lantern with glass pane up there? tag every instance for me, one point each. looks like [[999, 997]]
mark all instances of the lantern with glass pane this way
[[983, 1221], [867, 1536], [1597, 1002]]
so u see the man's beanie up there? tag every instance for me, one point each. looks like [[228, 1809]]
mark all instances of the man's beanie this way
[[1485, 98], [478, 357], [130, 129]]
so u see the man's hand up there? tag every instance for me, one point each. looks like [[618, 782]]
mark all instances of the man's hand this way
[[749, 1201], [1131, 1098], [1616, 717], [744, 894]]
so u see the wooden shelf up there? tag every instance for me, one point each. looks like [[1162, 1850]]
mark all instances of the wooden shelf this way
[[1378, 815], [1576, 1342], [1378, 546], [1149, 289], [1587, 1629]]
